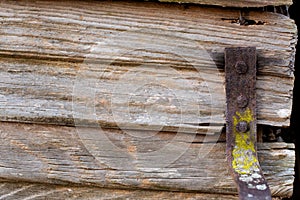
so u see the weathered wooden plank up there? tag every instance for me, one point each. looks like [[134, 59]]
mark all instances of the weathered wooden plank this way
[[134, 159], [136, 65], [236, 3], [28, 191]]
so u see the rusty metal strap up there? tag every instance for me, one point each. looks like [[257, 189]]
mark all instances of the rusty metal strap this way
[[240, 75]]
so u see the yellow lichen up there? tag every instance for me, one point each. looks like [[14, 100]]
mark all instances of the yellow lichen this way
[[244, 155]]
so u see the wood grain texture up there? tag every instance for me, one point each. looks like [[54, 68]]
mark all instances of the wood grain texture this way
[[28, 191], [131, 160], [236, 3], [136, 65]]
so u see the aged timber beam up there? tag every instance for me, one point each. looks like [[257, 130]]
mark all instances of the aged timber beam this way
[[23, 190], [59, 155], [26, 191], [136, 65]]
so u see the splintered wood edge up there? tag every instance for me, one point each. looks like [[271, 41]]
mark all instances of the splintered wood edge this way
[[235, 3]]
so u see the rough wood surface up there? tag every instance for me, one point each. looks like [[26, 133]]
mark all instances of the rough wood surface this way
[[119, 159], [136, 65], [236, 3], [28, 191]]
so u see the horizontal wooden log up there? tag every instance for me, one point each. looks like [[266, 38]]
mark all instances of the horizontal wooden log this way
[[136, 65], [132, 160], [28, 191], [236, 3]]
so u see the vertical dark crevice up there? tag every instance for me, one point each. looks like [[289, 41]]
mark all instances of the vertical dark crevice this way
[[295, 119]]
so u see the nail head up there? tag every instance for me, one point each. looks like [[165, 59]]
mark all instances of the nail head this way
[[242, 127], [241, 67]]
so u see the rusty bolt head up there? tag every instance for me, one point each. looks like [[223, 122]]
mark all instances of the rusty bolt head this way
[[241, 67], [242, 127], [242, 101]]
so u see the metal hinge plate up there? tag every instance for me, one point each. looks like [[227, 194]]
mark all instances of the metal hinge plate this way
[[240, 75]]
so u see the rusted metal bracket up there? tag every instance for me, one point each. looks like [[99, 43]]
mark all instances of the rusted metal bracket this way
[[240, 74]]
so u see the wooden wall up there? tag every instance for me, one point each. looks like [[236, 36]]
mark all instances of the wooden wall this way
[[130, 95]]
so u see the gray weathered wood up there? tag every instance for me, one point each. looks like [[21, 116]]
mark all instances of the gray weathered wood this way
[[120, 159], [236, 3], [136, 65], [29, 191]]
